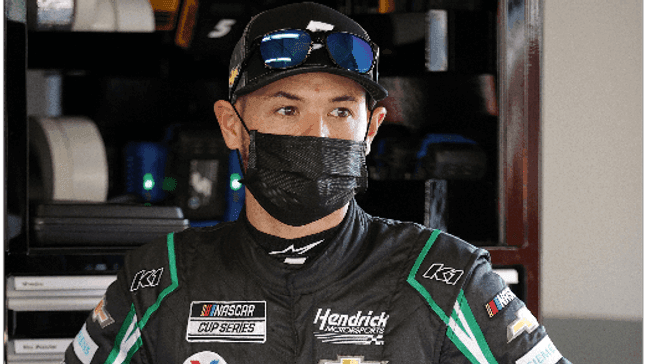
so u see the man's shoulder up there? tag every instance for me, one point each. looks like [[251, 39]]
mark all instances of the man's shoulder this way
[[444, 252], [386, 226], [158, 268], [445, 246], [427, 241], [437, 265], [167, 250], [203, 235], [440, 269]]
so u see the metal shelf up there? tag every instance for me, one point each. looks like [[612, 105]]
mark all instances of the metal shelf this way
[[56, 293]]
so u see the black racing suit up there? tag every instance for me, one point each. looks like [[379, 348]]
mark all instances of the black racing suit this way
[[383, 291]]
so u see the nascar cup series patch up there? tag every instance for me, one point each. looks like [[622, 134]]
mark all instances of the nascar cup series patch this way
[[227, 321]]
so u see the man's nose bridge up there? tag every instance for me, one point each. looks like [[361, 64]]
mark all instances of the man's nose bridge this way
[[316, 125]]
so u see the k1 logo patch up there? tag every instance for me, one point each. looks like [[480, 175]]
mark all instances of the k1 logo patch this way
[[205, 357], [443, 274], [227, 321], [350, 360], [146, 278]]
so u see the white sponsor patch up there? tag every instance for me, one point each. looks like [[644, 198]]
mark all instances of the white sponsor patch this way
[[356, 329], [227, 321], [296, 261], [543, 353], [318, 26], [205, 357], [84, 347]]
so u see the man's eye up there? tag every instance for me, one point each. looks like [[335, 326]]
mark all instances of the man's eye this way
[[287, 110], [341, 112]]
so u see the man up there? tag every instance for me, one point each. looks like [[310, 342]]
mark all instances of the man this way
[[304, 275]]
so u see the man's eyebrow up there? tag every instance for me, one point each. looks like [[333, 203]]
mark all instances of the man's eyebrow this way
[[286, 95], [297, 98], [344, 98]]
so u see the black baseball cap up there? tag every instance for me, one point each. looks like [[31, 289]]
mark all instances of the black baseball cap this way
[[254, 74]]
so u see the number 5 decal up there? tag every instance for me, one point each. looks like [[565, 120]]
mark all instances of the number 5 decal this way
[[222, 28]]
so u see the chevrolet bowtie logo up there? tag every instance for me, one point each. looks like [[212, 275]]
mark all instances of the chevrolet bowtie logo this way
[[444, 274], [525, 322]]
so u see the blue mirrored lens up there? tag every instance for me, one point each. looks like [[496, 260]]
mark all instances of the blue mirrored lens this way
[[285, 48], [350, 52]]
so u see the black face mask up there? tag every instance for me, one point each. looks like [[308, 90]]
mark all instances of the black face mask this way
[[300, 179]]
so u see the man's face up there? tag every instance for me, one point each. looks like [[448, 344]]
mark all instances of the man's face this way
[[310, 104], [315, 104]]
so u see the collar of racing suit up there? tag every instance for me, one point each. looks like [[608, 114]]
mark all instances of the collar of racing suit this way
[[341, 255], [294, 252]]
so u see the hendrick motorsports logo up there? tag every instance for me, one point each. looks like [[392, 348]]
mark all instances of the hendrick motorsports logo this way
[[358, 329]]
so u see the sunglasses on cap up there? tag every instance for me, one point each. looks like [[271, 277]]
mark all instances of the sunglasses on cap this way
[[289, 48]]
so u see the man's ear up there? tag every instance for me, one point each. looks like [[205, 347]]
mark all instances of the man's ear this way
[[230, 124], [376, 119]]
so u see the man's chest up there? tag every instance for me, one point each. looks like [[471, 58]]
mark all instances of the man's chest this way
[[356, 321]]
